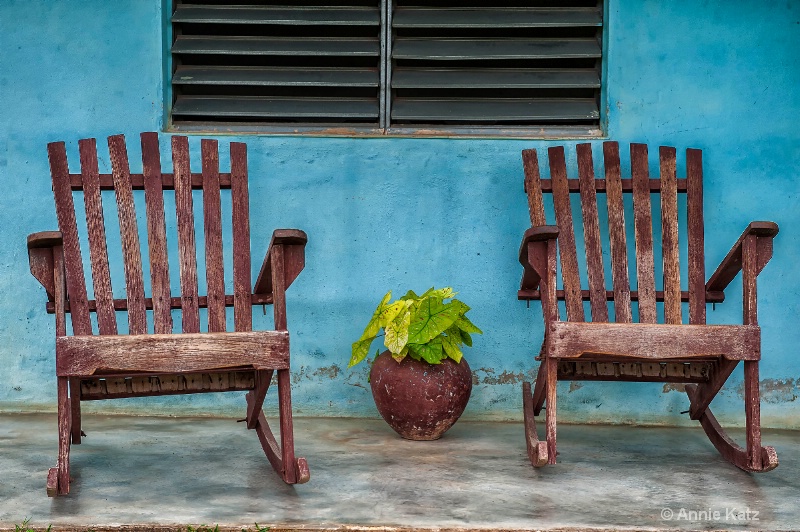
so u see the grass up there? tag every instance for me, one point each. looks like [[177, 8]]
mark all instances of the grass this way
[[25, 526]]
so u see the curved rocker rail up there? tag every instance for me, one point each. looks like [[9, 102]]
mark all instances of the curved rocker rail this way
[[537, 449], [728, 448]]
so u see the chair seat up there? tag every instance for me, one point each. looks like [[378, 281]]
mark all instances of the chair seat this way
[[85, 356], [599, 341]]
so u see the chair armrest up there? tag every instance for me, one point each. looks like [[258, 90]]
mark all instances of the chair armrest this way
[[531, 274], [731, 265], [40, 258], [293, 242]]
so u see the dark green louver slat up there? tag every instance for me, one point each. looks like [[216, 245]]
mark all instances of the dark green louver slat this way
[[273, 64], [495, 63]]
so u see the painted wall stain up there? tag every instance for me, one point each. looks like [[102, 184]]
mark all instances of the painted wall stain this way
[[775, 391], [505, 377], [575, 385], [674, 387]]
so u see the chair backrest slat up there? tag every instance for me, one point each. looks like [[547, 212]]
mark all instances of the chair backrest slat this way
[[98, 251], [694, 211], [186, 240], [643, 231], [566, 235], [65, 212], [242, 276], [156, 234], [154, 183], [619, 192], [669, 235], [533, 187], [129, 233], [591, 234], [616, 230], [212, 225]]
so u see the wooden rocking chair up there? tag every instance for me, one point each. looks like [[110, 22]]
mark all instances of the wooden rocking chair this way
[[703, 356], [144, 362]]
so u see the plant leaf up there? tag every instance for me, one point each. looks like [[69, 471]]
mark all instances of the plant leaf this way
[[450, 345], [374, 326], [430, 320], [360, 351], [401, 355], [432, 352], [409, 295], [467, 338], [390, 312], [441, 293], [397, 333], [413, 353], [467, 326], [463, 307]]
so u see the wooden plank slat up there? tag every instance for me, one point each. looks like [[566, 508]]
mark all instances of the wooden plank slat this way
[[85, 356], [669, 236], [59, 291], [591, 234], [654, 341], [212, 224], [601, 185], [174, 303], [712, 296], [186, 243], [138, 180], [73, 263], [643, 231], [242, 276], [156, 234], [616, 233], [533, 187], [98, 252], [129, 233], [694, 212], [566, 236]]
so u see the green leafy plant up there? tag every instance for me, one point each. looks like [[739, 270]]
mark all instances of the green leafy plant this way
[[423, 327], [25, 526]]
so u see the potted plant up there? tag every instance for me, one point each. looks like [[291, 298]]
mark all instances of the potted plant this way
[[421, 384]]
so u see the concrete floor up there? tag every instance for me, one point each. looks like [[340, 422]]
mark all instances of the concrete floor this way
[[190, 471]]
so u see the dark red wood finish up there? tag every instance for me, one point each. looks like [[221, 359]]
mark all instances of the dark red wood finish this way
[[703, 356], [139, 363]]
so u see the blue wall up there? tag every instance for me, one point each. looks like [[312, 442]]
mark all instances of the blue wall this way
[[410, 213]]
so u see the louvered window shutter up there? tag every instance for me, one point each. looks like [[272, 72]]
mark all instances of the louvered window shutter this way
[[263, 63], [495, 63], [388, 66]]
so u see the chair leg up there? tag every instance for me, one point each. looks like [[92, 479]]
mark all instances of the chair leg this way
[[75, 407], [58, 477], [755, 458], [292, 470], [752, 410], [550, 409]]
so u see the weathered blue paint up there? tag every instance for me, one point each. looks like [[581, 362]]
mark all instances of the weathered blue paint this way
[[406, 213]]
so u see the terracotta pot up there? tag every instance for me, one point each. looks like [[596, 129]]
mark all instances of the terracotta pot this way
[[420, 401]]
